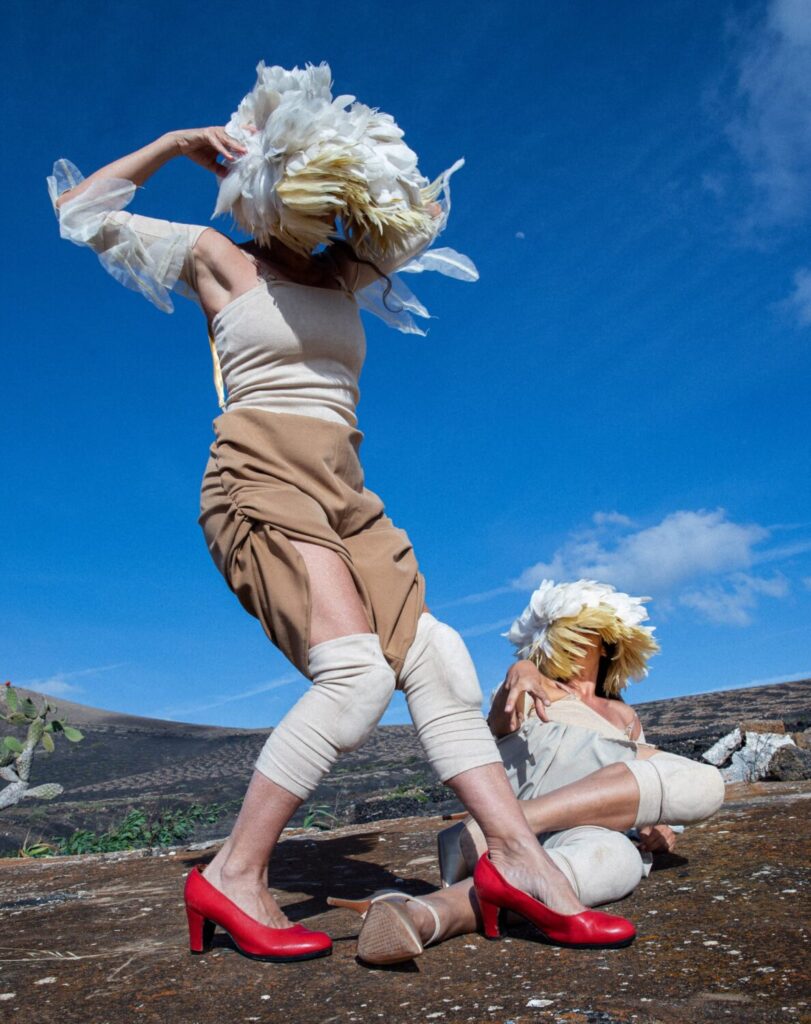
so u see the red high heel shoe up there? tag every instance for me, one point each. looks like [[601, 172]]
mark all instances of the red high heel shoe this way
[[590, 929], [207, 907]]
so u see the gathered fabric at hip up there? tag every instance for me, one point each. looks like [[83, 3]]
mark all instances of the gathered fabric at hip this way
[[273, 478]]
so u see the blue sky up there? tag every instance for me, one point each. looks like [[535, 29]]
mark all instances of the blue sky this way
[[623, 395]]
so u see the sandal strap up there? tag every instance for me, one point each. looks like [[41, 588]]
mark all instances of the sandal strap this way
[[404, 896]]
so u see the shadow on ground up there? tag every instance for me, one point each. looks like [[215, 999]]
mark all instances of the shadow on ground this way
[[723, 933]]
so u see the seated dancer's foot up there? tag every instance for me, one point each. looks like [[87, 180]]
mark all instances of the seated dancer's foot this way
[[396, 927]]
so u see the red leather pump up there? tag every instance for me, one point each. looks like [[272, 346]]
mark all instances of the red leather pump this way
[[590, 929], [207, 907]]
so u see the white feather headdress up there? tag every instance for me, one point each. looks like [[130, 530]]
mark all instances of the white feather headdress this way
[[551, 629], [311, 157]]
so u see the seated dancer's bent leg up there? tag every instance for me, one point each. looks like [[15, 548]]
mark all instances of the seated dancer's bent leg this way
[[674, 790], [352, 686], [601, 865], [444, 698]]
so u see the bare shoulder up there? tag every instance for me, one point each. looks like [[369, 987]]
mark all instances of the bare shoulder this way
[[222, 270], [617, 712], [216, 254]]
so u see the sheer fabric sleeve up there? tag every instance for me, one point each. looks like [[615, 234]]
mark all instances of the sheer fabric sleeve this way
[[145, 254]]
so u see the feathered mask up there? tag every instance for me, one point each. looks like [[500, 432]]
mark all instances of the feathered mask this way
[[552, 631], [311, 158]]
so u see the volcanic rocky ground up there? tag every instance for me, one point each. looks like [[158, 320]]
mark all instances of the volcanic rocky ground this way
[[128, 762], [723, 923]]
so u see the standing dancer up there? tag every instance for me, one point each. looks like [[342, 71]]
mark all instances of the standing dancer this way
[[304, 545]]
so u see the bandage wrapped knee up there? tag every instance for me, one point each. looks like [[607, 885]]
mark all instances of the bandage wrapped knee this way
[[675, 790], [445, 701], [601, 865], [352, 686]]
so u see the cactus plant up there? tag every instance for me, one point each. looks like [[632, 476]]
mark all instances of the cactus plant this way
[[16, 755]]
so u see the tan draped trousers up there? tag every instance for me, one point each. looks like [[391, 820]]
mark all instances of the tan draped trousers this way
[[274, 477]]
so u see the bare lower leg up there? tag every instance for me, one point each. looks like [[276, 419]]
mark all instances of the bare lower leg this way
[[514, 848], [457, 908], [608, 797], [240, 868]]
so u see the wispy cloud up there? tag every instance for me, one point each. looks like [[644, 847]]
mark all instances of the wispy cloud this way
[[770, 127], [59, 683], [486, 627], [230, 698], [798, 303], [477, 598], [701, 560], [732, 601]]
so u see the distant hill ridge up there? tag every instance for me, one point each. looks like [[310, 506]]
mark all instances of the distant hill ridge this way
[[131, 761], [675, 715]]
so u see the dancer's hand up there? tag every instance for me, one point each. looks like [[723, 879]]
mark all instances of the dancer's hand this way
[[204, 145], [657, 839], [506, 714]]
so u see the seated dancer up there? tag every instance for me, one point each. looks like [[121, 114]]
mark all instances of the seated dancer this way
[[577, 759], [334, 203]]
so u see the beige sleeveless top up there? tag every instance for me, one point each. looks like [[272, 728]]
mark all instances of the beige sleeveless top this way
[[571, 710]]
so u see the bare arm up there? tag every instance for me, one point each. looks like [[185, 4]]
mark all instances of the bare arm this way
[[202, 145], [506, 714]]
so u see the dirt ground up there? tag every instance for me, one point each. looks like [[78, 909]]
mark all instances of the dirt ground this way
[[723, 936]]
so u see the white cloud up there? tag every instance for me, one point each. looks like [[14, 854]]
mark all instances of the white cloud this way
[[611, 519], [771, 129], [700, 560], [58, 685], [733, 601], [798, 303], [656, 559]]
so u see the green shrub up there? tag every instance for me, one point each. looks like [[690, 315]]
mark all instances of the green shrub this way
[[138, 830]]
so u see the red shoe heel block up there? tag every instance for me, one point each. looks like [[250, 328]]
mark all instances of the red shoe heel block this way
[[207, 907], [590, 929]]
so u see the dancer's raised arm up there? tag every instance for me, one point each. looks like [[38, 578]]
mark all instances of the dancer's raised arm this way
[[202, 145]]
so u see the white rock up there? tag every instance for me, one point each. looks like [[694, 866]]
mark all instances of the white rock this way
[[537, 1004], [720, 751], [751, 762]]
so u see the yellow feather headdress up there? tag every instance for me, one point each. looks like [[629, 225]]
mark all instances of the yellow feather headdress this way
[[553, 631]]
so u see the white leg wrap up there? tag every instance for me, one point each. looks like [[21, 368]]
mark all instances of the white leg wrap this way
[[443, 694], [352, 686], [674, 790], [601, 865]]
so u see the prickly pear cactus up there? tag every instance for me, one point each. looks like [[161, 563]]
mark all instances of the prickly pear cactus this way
[[16, 755]]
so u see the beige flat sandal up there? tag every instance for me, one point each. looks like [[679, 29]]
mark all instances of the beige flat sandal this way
[[388, 935]]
